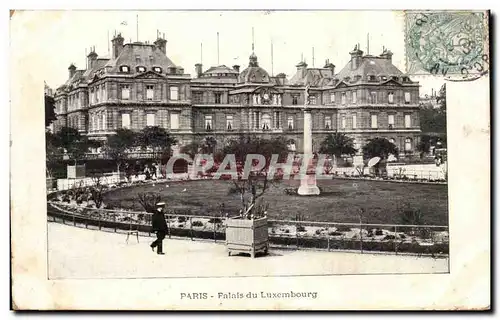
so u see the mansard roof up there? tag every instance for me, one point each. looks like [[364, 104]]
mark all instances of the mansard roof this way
[[370, 65], [138, 54]]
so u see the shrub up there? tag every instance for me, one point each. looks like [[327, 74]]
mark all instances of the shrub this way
[[389, 237], [287, 231], [379, 232], [301, 228], [181, 219], [197, 223], [334, 233], [215, 220], [411, 216], [317, 232], [343, 228]]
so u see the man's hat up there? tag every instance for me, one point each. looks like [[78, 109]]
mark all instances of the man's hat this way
[[160, 204]]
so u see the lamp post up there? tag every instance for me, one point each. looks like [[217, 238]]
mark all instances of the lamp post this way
[[308, 180]]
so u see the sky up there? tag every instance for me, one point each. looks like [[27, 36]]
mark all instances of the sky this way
[[70, 34]]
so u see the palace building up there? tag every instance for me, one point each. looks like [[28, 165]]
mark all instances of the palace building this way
[[140, 86]]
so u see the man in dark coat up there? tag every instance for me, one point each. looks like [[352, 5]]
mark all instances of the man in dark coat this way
[[160, 227]]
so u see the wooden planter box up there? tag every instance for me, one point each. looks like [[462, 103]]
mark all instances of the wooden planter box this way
[[247, 236]]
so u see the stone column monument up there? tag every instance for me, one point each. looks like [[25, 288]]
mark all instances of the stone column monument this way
[[308, 181]]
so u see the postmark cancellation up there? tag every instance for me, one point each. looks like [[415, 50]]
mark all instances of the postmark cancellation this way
[[451, 44]]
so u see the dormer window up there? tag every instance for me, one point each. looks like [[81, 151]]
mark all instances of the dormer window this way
[[157, 69], [141, 69], [395, 78], [384, 78], [371, 78], [125, 69], [406, 79]]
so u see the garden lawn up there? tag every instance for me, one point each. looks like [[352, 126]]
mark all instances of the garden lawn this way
[[340, 200]]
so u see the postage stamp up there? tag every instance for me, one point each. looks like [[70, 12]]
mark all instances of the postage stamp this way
[[447, 43], [208, 168]]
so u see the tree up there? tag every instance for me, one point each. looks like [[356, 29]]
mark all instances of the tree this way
[[379, 147], [53, 152], [441, 99], [191, 149], [337, 144], [208, 145], [74, 143], [259, 180], [159, 140], [118, 145], [50, 114]]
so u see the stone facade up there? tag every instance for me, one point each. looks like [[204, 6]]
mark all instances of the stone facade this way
[[140, 86]]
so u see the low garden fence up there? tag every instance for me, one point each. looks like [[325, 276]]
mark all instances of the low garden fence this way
[[328, 236]]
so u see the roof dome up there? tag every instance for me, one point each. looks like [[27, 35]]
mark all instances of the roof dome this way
[[254, 73]]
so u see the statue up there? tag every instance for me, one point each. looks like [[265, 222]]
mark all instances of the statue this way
[[306, 95]]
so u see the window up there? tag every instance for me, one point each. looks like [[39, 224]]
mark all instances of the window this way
[[395, 78], [328, 122], [157, 69], [372, 78], [391, 121], [218, 98], [295, 100], [150, 119], [150, 89], [94, 122], [125, 69], [98, 122], [392, 140], [174, 121], [290, 123], [151, 59], [208, 123], [332, 97], [390, 97], [343, 122], [104, 121], [312, 99], [138, 59], [374, 121], [407, 98], [266, 122], [407, 121], [197, 97], [229, 123], [408, 144], [125, 92], [174, 93], [354, 97], [343, 97], [354, 121], [141, 69], [126, 120], [373, 97]]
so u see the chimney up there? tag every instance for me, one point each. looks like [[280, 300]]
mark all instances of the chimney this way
[[387, 54], [199, 69], [236, 68], [72, 70], [302, 69], [330, 66], [356, 57], [161, 44], [117, 45], [91, 58]]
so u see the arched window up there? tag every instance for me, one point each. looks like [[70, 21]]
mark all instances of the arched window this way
[[291, 145], [266, 121], [408, 146]]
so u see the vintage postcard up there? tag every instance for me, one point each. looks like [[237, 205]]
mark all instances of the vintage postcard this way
[[250, 160]]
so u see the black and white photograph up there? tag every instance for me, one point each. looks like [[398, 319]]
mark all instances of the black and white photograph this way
[[254, 144]]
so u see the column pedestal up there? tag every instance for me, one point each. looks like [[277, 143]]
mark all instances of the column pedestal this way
[[308, 185]]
